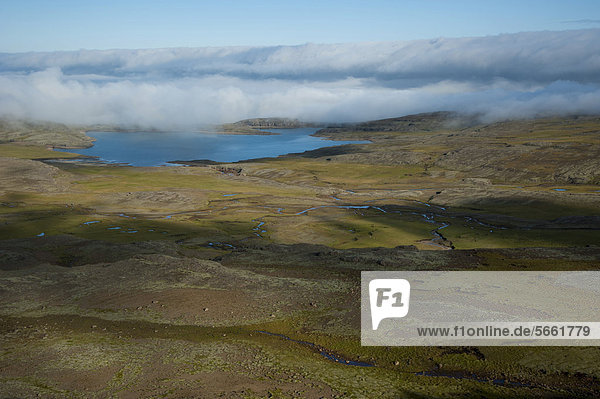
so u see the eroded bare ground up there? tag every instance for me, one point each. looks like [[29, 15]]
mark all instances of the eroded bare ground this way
[[161, 282]]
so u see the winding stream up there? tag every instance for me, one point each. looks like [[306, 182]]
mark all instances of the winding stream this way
[[458, 375], [322, 351], [431, 214]]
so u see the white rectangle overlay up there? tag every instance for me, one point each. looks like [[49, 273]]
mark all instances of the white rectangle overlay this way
[[461, 308]]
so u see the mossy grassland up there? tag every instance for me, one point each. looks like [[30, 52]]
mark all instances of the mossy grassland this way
[[158, 281]]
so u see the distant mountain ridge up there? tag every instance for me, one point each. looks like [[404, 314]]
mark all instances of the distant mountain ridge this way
[[430, 121], [259, 125], [273, 123]]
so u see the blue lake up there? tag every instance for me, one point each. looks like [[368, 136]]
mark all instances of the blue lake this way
[[156, 149]]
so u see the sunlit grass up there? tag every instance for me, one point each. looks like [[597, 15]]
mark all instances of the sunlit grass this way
[[106, 179], [474, 236], [32, 152]]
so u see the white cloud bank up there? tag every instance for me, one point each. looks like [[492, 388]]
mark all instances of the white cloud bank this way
[[512, 75]]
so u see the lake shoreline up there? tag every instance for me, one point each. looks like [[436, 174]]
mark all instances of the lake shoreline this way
[[168, 148]]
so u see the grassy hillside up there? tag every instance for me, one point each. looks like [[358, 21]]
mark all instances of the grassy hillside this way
[[234, 280]]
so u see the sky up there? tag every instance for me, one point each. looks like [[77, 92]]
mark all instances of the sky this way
[[42, 25], [181, 64]]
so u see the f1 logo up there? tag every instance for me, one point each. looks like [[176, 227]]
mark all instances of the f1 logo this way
[[389, 298]]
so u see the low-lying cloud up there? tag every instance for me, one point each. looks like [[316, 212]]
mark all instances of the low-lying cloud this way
[[513, 75]]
